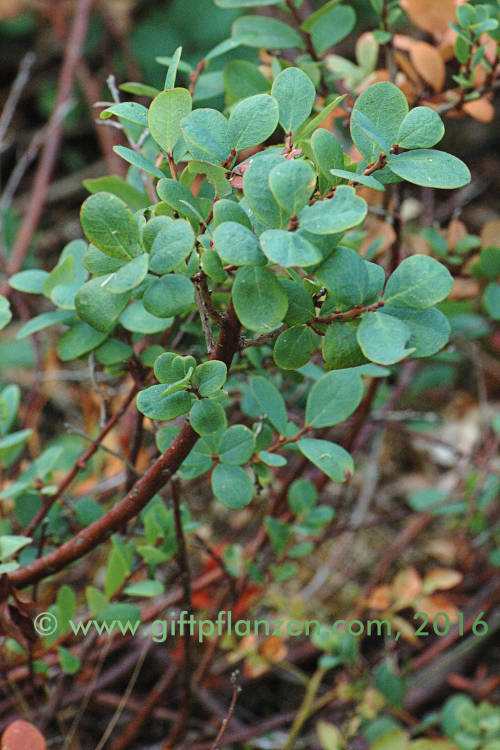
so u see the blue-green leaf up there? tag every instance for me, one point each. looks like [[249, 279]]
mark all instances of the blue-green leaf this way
[[333, 398], [295, 94], [232, 486], [430, 168], [333, 460]]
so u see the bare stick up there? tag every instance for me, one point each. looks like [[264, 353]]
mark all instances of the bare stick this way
[[16, 90], [225, 722], [51, 147]]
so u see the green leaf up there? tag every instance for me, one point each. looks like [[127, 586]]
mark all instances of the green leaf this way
[[11, 543], [98, 263], [295, 94], [172, 69], [30, 281], [206, 132], [209, 377], [421, 128], [429, 328], [371, 131], [165, 114], [300, 304], [110, 226], [11, 443], [289, 248], [70, 663], [266, 32], [419, 282], [216, 176], [272, 459], [258, 193], [383, 339], [236, 445], [384, 105], [138, 89], [168, 241], [252, 121], [170, 367], [333, 398], [344, 69], [302, 496], [98, 307], [61, 275], [361, 179], [242, 79], [340, 346], [128, 111], [207, 416], [332, 27], [327, 153], [344, 211], [316, 121], [211, 264], [345, 275], [154, 405], [169, 296], [79, 340], [430, 168], [5, 313], [237, 245], [491, 300], [279, 533], [333, 460], [128, 277], [126, 614], [134, 199], [292, 183], [259, 300], [180, 198], [135, 318], [138, 160], [294, 347], [144, 588], [270, 402], [232, 486], [245, 3], [227, 210], [113, 351]]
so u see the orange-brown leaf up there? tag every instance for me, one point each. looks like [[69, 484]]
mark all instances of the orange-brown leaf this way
[[21, 735], [431, 16], [274, 649], [380, 598], [407, 585], [490, 234], [440, 579], [456, 230], [480, 109], [429, 64]]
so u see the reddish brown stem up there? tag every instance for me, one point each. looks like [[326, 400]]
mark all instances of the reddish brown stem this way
[[142, 491]]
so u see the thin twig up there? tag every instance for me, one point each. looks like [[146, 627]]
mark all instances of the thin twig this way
[[51, 147], [16, 90], [225, 722], [99, 444], [185, 572], [81, 463]]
